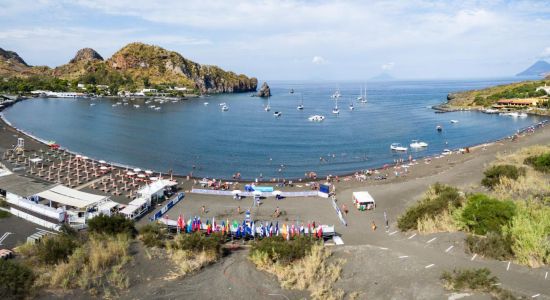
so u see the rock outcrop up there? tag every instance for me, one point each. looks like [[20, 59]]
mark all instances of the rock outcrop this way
[[264, 91], [86, 54]]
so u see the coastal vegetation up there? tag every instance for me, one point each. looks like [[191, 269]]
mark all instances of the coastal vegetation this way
[[476, 280], [16, 280], [434, 210], [133, 67], [494, 174], [300, 264], [511, 221], [93, 261], [191, 252], [489, 96], [186, 252]]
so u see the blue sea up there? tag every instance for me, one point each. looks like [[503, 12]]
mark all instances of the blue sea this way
[[189, 136]]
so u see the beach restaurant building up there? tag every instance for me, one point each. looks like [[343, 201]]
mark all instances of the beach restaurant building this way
[[60, 204], [147, 195], [519, 102]]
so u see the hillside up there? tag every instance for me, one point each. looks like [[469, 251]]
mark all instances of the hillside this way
[[135, 66], [539, 68], [489, 96]]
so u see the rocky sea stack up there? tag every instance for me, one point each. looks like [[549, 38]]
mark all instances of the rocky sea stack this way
[[264, 91]]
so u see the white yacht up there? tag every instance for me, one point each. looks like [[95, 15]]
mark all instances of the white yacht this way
[[316, 118], [398, 147], [418, 144]]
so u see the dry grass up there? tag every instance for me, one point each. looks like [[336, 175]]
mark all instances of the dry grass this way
[[444, 222], [313, 273], [533, 185], [100, 260], [187, 262]]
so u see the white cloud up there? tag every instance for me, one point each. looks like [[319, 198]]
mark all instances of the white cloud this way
[[388, 66], [480, 38], [318, 60], [545, 54]]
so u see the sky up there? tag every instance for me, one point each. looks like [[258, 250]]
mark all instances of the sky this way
[[294, 39]]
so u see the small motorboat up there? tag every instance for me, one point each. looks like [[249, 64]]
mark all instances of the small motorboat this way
[[152, 106], [439, 128], [292, 91], [336, 110], [205, 103], [418, 144], [316, 118], [398, 147], [523, 115], [277, 114], [225, 108], [300, 107], [114, 105], [221, 104], [351, 107], [92, 104], [136, 105], [267, 108], [157, 108], [454, 121], [447, 152]]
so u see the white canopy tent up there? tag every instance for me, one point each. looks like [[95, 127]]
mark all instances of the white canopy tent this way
[[71, 197]]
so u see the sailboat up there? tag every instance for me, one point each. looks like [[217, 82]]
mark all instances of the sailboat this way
[[335, 110], [351, 107], [301, 106], [267, 107], [363, 97]]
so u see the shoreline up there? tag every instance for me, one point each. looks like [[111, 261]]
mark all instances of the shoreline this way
[[380, 167]]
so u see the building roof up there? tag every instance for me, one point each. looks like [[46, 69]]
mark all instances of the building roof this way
[[22, 186], [519, 101], [155, 187], [71, 197]]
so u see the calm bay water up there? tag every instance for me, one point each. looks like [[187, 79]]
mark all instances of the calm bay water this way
[[248, 140]]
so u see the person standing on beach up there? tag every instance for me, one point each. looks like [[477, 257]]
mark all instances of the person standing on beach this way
[[203, 210]]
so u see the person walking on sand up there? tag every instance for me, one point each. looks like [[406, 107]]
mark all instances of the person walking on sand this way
[[203, 210], [373, 226], [238, 210], [345, 209]]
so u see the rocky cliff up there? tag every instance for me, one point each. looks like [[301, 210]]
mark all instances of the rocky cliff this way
[[157, 65], [135, 65]]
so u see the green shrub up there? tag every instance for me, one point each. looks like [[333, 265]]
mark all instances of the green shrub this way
[[494, 245], [540, 163], [482, 214], [280, 250], [153, 235], [494, 173], [198, 242], [445, 197], [112, 225], [4, 214], [3, 203], [55, 249], [529, 231], [16, 280]]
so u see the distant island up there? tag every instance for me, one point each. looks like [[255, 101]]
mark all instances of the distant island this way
[[539, 68], [134, 67], [384, 76]]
